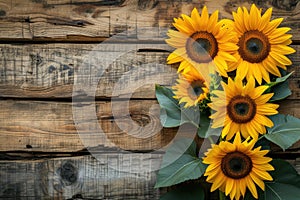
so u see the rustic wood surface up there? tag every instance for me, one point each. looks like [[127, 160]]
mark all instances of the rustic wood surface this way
[[94, 20], [40, 126], [49, 126], [48, 70], [83, 177], [54, 52]]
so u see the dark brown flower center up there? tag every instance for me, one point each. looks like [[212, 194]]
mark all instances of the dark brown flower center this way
[[254, 46], [195, 89], [202, 47], [241, 109], [236, 165]]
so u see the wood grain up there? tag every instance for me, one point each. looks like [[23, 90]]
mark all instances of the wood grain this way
[[96, 20], [62, 127], [51, 71], [41, 126], [111, 176], [102, 70], [79, 118]]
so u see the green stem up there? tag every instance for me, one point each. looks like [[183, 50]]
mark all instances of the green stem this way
[[222, 195]]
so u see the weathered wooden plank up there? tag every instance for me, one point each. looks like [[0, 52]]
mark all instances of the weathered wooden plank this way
[[86, 20], [49, 71], [110, 69], [41, 126], [60, 127], [110, 176]]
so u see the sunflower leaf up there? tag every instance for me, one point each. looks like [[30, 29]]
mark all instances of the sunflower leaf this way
[[204, 125], [180, 163], [205, 129], [285, 184], [280, 87], [190, 192], [172, 113], [280, 79], [281, 91], [285, 132]]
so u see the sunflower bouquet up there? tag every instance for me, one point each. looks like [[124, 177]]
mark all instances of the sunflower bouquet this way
[[231, 74]]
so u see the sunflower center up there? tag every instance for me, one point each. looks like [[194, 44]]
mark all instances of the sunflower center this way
[[202, 47], [195, 89], [254, 46], [241, 109], [236, 165]]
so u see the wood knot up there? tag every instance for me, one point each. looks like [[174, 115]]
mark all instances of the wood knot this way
[[2, 13], [68, 173]]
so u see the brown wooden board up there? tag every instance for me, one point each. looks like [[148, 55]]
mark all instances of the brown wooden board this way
[[95, 20], [102, 70], [69, 68], [111, 176], [62, 127], [41, 126]]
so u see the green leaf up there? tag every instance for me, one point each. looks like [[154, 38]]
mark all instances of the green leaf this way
[[285, 173], [280, 88], [281, 91], [188, 192], [205, 129], [285, 184], [172, 113], [204, 125], [180, 163], [280, 79], [285, 132]]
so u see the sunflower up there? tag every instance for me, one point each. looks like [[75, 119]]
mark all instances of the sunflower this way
[[202, 42], [262, 45], [235, 166], [191, 88], [242, 108]]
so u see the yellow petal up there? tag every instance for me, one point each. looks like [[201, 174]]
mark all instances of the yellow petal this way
[[229, 186], [258, 181], [272, 25], [254, 17], [265, 19], [251, 186], [204, 19], [213, 21]]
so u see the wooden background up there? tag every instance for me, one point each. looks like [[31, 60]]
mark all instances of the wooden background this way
[[45, 47]]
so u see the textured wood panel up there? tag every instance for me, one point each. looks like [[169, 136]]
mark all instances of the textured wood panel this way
[[95, 20], [111, 176], [119, 70], [59, 127], [40, 126], [44, 61], [51, 71]]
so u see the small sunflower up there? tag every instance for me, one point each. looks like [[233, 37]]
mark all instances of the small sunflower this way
[[235, 166], [191, 88], [262, 45], [242, 108], [202, 42]]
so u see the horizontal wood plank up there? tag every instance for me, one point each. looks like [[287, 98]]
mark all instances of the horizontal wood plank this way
[[98, 19], [110, 176], [60, 127], [51, 71], [102, 70], [41, 126]]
